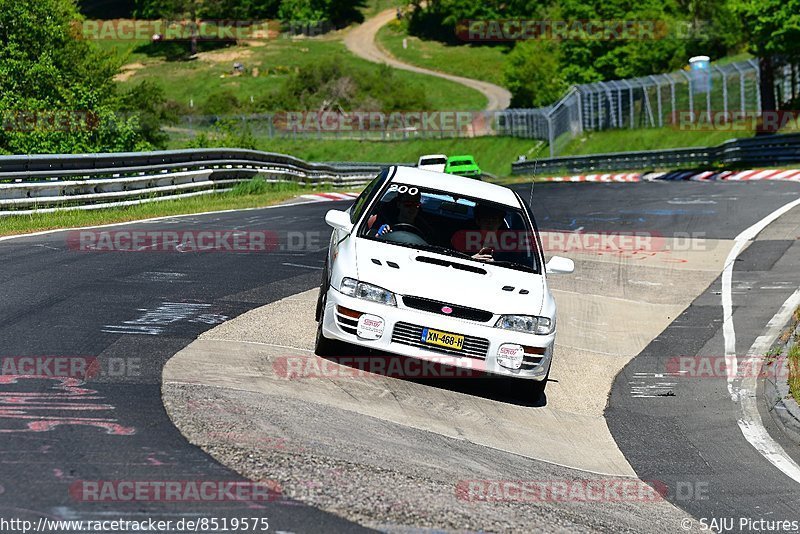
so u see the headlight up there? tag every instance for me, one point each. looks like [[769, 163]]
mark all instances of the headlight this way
[[526, 323], [361, 290]]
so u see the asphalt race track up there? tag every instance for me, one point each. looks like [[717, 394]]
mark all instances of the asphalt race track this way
[[138, 309]]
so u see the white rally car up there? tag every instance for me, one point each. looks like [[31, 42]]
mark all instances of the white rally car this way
[[432, 162], [440, 268]]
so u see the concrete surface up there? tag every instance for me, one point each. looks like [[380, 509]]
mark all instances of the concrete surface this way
[[599, 332]]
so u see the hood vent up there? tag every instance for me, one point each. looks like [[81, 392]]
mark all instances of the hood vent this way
[[453, 264], [389, 263]]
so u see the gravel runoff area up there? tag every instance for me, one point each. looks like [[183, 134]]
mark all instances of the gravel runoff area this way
[[389, 477]]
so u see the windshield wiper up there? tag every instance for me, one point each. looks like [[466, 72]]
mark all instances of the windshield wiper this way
[[512, 265]]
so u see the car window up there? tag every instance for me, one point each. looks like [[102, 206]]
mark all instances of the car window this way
[[434, 161], [363, 199], [454, 225]]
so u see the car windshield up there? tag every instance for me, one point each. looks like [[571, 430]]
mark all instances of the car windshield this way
[[454, 225], [434, 161], [460, 162]]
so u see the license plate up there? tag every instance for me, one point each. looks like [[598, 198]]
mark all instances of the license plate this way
[[443, 339]]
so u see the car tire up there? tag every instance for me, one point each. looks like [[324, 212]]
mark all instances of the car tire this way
[[323, 290], [326, 347], [323, 346]]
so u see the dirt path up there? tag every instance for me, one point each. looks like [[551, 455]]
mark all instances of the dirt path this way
[[361, 41]]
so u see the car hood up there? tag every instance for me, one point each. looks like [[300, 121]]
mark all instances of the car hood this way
[[420, 273]]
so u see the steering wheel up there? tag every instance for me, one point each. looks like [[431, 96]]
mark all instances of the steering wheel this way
[[406, 227]]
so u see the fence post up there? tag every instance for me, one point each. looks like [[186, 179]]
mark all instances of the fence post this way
[[550, 136], [630, 101], [691, 94], [658, 101], [672, 96], [757, 70], [742, 102], [724, 91]]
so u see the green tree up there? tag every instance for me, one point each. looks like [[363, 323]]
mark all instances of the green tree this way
[[773, 31], [339, 12], [533, 74], [46, 69]]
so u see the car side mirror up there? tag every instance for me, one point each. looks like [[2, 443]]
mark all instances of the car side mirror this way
[[560, 265], [339, 220]]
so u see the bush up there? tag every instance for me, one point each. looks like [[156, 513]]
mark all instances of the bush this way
[[339, 12], [227, 133], [220, 103], [333, 84], [148, 101]]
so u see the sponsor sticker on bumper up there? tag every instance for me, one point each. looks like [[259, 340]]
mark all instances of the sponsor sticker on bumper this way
[[370, 327]]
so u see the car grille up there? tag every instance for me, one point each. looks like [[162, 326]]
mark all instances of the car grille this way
[[410, 334], [459, 312]]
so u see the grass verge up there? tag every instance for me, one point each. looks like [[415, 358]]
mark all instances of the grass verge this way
[[794, 360], [470, 61], [254, 194], [493, 154], [794, 372], [643, 139], [194, 81]]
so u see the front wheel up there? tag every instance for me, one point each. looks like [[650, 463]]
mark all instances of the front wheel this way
[[323, 289], [323, 346]]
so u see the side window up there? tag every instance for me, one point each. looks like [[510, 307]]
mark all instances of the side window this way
[[366, 195]]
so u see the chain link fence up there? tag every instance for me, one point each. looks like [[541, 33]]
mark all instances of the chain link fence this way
[[645, 102]]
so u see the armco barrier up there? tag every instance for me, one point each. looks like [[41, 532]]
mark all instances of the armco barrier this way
[[757, 151], [44, 183]]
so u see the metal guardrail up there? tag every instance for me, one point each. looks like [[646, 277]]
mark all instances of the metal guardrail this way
[[756, 151], [45, 183]]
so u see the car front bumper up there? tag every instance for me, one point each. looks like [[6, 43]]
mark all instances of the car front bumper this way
[[397, 338]]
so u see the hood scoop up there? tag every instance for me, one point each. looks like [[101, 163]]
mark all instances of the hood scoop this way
[[447, 263]]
